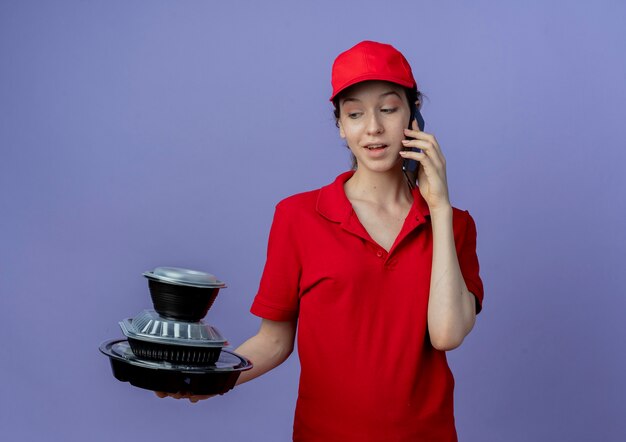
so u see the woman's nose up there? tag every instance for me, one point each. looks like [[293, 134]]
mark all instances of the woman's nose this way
[[374, 125]]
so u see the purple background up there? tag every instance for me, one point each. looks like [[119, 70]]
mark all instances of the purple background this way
[[137, 134]]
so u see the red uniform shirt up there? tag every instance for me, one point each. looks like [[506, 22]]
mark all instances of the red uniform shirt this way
[[368, 369]]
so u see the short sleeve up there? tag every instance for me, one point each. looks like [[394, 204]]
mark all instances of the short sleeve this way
[[277, 298], [468, 261]]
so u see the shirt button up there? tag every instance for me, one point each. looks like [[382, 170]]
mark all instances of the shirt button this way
[[379, 253]]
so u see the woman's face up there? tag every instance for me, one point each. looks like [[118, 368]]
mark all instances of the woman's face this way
[[372, 119]]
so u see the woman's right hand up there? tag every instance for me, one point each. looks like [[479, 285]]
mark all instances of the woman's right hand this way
[[193, 398]]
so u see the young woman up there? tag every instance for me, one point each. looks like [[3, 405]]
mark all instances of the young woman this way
[[381, 277]]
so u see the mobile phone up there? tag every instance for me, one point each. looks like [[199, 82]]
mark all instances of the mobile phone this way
[[408, 165]]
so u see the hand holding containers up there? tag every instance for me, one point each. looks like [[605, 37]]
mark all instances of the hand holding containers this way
[[170, 348]]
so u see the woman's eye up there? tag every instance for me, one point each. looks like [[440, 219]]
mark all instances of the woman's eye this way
[[353, 115], [389, 110]]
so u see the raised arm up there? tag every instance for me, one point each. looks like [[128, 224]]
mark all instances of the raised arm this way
[[451, 306]]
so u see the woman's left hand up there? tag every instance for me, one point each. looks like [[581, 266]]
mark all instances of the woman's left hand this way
[[431, 173]]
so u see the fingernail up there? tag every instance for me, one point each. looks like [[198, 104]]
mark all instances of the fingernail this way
[[405, 141]]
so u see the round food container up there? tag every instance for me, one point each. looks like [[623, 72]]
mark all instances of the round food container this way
[[161, 339], [173, 378], [182, 294]]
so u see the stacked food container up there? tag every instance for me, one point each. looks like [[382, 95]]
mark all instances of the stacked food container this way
[[170, 348]]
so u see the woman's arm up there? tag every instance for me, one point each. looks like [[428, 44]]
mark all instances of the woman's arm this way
[[269, 348], [451, 307]]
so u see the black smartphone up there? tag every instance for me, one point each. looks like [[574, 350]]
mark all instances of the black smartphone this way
[[410, 166]]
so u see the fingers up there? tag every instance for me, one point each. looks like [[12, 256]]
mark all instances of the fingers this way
[[429, 165], [193, 398], [420, 135], [427, 142], [196, 398], [422, 139], [431, 174], [427, 149], [425, 162], [164, 394]]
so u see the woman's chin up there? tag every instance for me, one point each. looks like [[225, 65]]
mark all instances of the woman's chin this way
[[387, 166]]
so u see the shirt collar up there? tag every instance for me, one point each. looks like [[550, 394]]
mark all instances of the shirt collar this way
[[333, 204]]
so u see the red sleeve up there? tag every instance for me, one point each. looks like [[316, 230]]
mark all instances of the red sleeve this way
[[468, 261], [277, 298]]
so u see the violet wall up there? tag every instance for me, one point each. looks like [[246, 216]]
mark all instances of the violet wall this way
[[135, 134]]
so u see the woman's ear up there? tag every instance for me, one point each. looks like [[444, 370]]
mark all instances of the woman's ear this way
[[342, 134]]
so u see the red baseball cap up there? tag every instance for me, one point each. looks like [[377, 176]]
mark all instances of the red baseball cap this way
[[370, 60]]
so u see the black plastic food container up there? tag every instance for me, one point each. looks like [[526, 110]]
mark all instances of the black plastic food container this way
[[173, 378], [156, 338], [176, 354], [181, 302], [182, 294]]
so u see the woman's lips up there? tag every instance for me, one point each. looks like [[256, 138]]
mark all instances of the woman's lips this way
[[376, 146]]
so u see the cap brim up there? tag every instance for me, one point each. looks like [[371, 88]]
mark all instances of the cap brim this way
[[368, 77]]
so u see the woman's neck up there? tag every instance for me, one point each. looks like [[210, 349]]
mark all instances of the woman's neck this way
[[379, 188]]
